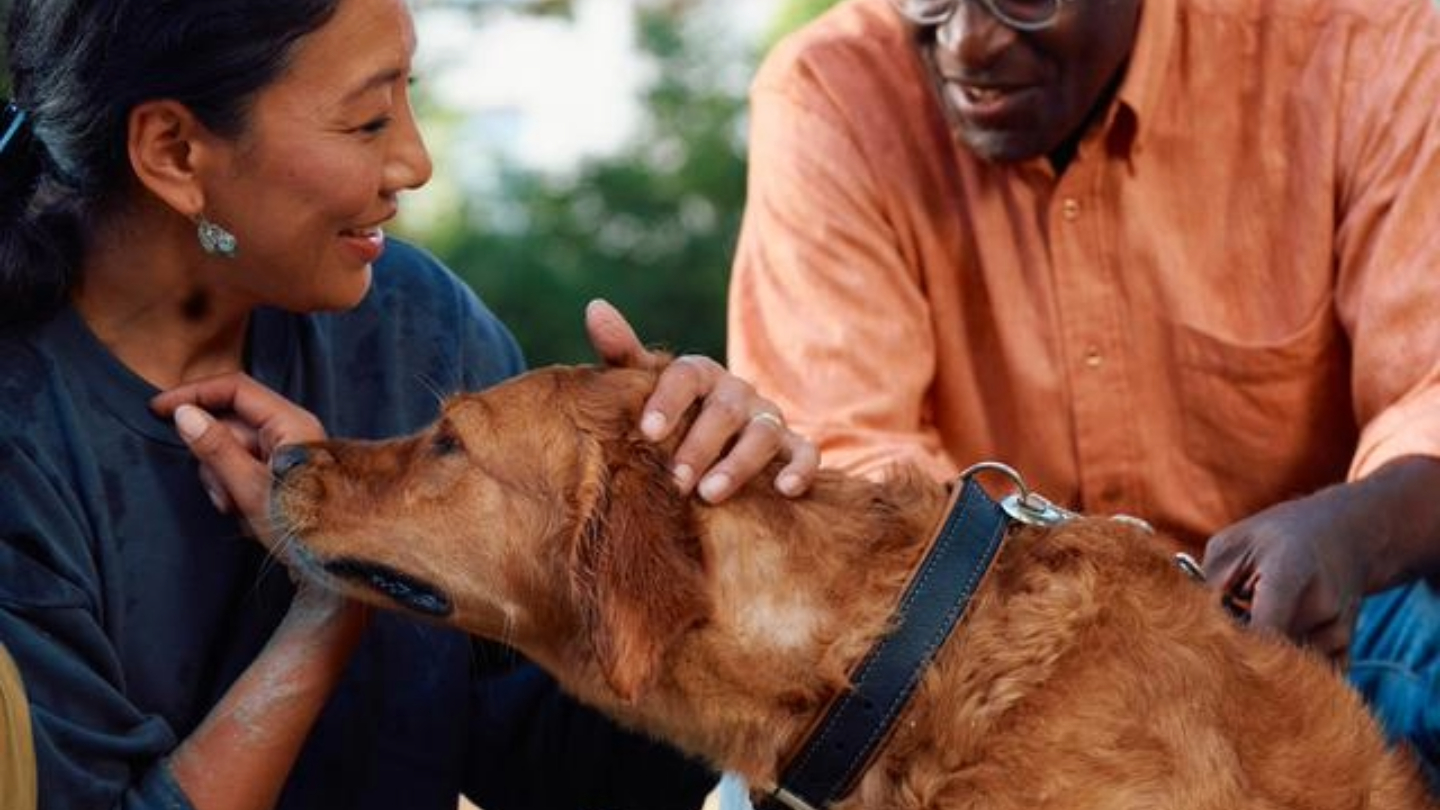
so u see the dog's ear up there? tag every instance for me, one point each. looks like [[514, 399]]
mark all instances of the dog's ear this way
[[637, 564]]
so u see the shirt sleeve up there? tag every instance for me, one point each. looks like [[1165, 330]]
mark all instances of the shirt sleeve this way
[[826, 315], [535, 748], [1388, 290], [94, 748]]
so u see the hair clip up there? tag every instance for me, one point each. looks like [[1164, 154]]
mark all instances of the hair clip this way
[[13, 126]]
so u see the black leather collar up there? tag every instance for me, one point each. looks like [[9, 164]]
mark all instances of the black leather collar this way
[[840, 748]]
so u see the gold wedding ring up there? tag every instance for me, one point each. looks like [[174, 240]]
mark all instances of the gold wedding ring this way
[[769, 417]]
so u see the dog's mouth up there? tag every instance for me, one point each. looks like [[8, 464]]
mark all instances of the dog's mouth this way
[[403, 589]]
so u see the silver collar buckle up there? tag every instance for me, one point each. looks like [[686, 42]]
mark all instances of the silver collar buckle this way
[[1022, 505]]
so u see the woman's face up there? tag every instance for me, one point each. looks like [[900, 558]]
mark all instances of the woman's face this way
[[318, 171]]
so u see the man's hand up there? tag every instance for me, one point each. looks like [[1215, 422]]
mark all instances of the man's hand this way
[[1304, 565], [732, 411]]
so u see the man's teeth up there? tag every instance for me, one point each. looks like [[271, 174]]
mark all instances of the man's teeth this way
[[983, 94]]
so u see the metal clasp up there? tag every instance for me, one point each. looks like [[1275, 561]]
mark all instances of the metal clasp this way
[[790, 800], [1022, 505]]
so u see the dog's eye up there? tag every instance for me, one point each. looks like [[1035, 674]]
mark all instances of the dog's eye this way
[[445, 444]]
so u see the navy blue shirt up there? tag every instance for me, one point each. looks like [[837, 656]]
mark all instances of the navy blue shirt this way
[[131, 604]]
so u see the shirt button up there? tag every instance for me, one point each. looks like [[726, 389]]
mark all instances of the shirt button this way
[[1070, 209], [1093, 357]]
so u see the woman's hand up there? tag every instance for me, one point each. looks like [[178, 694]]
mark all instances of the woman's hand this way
[[732, 411], [233, 424]]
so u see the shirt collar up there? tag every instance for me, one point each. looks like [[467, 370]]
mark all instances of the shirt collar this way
[[1145, 74]]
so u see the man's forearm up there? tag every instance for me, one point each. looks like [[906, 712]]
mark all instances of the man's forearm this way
[[1403, 498]]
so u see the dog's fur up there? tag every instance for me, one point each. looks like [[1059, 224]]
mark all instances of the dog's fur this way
[[1089, 672]]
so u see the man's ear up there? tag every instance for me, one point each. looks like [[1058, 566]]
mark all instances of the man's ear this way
[[637, 566], [168, 146]]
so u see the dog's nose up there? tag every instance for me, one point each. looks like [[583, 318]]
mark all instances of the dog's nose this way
[[286, 458]]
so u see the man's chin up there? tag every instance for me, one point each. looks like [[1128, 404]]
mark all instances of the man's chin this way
[[1003, 146]]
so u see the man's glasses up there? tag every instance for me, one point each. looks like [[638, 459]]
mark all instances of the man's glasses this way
[[1022, 15]]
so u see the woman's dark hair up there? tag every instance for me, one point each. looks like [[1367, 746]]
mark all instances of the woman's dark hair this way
[[77, 69]]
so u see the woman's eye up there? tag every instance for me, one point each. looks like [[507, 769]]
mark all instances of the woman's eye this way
[[375, 127]]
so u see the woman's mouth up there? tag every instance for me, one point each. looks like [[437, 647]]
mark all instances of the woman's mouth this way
[[366, 244]]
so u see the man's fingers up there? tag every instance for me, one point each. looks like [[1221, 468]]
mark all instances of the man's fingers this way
[[614, 340], [795, 478], [1223, 562], [1332, 639], [690, 379], [758, 443], [1275, 605]]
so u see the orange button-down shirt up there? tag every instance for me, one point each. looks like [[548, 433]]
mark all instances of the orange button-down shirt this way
[[1231, 297]]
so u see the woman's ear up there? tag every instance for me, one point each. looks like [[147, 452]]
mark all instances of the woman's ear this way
[[168, 147]]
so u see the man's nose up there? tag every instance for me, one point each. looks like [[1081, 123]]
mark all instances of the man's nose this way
[[973, 38]]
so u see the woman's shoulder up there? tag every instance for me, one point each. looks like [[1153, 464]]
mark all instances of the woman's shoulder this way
[[417, 303], [29, 382], [408, 275], [410, 278]]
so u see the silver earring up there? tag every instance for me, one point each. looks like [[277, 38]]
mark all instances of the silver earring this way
[[216, 240]]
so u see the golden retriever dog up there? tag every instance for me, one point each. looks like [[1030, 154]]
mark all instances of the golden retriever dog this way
[[1089, 671]]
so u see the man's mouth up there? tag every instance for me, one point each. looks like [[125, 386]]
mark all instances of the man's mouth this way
[[989, 105], [983, 95]]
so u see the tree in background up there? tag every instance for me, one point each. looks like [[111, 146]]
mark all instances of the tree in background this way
[[794, 13], [651, 227]]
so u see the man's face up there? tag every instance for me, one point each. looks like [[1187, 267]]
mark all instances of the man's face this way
[[1013, 95]]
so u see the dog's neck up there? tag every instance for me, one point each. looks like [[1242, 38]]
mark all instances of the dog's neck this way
[[801, 591]]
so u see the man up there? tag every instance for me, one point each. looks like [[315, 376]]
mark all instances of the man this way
[[1172, 258]]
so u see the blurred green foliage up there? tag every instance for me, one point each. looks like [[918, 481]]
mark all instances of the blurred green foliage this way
[[792, 14], [652, 227]]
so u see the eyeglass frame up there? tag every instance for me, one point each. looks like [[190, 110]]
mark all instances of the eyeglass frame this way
[[991, 6]]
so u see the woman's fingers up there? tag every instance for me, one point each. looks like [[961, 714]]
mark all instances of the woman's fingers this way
[[231, 474], [273, 418], [614, 340]]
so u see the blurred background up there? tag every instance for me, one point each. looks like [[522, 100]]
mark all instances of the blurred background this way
[[590, 148]]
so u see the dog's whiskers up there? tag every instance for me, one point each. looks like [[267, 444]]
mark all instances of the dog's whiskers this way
[[507, 634], [433, 386]]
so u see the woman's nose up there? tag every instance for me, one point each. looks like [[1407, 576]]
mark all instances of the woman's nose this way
[[409, 162]]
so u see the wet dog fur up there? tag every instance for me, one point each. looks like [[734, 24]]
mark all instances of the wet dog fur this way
[[1089, 671]]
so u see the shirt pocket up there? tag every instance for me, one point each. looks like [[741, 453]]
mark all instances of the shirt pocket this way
[[1265, 420]]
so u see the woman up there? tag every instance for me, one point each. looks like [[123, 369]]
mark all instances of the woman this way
[[192, 195]]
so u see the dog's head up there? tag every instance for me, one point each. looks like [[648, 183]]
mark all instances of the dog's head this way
[[533, 513]]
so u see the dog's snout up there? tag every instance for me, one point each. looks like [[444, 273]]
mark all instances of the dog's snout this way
[[287, 458]]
